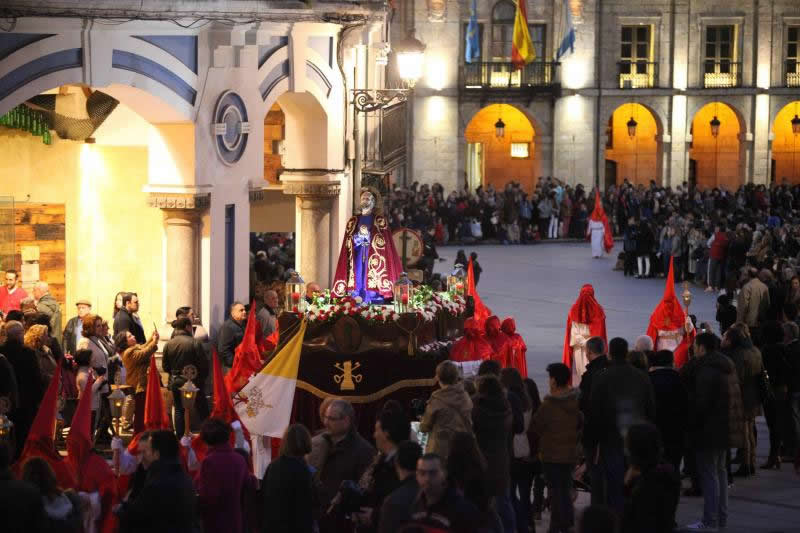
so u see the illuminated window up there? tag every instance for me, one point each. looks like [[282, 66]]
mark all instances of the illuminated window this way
[[637, 69], [720, 67], [519, 150]]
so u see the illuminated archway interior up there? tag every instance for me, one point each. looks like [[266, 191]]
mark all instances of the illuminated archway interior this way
[[717, 159], [499, 160], [274, 135], [786, 145], [637, 156]]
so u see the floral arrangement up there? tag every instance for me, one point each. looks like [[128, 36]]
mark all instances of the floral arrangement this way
[[425, 302]]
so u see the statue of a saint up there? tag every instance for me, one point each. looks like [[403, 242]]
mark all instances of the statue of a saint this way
[[368, 262]]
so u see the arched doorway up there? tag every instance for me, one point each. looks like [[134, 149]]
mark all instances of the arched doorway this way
[[786, 144], [500, 155], [274, 135], [633, 148], [715, 152]]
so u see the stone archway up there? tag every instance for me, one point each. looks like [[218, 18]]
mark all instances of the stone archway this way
[[717, 157], [785, 165], [499, 160], [635, 151]]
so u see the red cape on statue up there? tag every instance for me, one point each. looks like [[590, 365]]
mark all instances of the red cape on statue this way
[[585, 310], [40, 440], [481, 312], [499, 341], [92, 471], [384, 265], [599, 215], [472, 346], [518, 346], [669, 315]]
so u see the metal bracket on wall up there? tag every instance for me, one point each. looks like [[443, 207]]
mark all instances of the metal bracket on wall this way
[[369, 100]]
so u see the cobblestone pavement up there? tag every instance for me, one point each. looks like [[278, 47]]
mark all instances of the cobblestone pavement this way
[[538, 284]]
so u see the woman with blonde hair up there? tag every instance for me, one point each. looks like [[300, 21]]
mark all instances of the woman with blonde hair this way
[[36, 338]]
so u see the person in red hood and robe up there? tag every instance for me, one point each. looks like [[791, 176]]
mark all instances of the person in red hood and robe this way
[[586, 319], [670, 327], [472, 346], [498, 340], [93, 475], [518, 348], [599, 230]]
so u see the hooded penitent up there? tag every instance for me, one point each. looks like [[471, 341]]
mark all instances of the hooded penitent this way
[[599, 215], [667, 324], [518, 347], [498, 341], [587, 313], [481, 312], [472, 346], [40, 441], [92, 472]]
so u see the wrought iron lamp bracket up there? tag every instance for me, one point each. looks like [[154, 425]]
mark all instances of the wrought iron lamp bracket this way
[[369, 100]]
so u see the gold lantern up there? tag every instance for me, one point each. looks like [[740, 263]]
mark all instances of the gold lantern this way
[[115, 401], [188, 394], [403, 294], [295, 293], [457, 281]]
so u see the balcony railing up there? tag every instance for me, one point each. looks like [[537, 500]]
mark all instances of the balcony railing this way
[[792, 73], [637, 74], [501, 75], [721, 74]]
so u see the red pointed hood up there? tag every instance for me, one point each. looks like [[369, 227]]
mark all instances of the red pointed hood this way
[[585, 310], [481, 311], [40, 440], [155, 417], [517, 347], [79, 440], [472, 346], [492, 326], [599, 215], [668, 314], [509, 326], [471, 328]]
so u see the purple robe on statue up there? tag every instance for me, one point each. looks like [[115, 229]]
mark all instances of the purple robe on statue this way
[[368, 262]]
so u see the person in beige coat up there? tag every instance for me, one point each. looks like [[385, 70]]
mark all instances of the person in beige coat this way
[[449, 410], [753, 301]]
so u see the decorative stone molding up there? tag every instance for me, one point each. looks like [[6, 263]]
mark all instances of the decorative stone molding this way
[[179, 201], [323, 190]]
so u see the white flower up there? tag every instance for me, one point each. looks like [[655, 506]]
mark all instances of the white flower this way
[[358, 299]]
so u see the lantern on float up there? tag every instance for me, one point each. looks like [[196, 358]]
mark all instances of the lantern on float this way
[[403, 294], [456, 282], [295, 294]]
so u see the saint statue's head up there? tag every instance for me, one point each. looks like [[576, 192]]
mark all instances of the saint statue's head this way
[[370, 201]]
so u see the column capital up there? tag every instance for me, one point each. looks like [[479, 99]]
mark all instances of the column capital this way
[[178, 201], [311, 184]]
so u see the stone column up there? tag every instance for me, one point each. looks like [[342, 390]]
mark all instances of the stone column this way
[[315, 193], [181, 227]]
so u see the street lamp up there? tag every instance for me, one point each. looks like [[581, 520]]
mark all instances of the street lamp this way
[[796, 125], [410, 59], [632, 128], [715, 123], [499, 128]]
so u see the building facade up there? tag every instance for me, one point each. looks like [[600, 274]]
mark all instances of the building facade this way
[[174, 130], [635, 100]]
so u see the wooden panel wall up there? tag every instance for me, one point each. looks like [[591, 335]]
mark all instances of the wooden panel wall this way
[[43, 225]]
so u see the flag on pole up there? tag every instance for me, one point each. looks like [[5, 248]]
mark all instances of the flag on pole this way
[[522, 51], [481, 312], [568, 33], [473, 48], [247, 356]]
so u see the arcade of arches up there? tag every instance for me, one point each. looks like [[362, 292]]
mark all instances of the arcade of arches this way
[[489, 157], [786, 146], [633, 152]]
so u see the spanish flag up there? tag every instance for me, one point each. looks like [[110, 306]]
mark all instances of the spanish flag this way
[[522, 51]]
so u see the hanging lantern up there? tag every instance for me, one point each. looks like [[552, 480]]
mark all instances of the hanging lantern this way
[[796, 125], [715, 123], [456, 282], [500, 128], [403, 294], [632, 128], [295, 294]]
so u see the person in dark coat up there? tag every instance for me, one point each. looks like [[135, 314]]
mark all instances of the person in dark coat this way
[[492, 424], [125, 319], [166, 502], [183, 356], [73, 332], [231, 334], [620, 395], [652, 487], [726, 313], [223, 480], [391, 428], [21, 504], [776, 405], [598, 362], [29, 382], [396, 508], [716, 423], [289, 500], [672, 406], [476, 267]]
